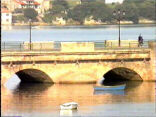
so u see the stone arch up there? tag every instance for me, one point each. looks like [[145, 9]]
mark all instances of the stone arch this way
[[33, 75], [122, 74]]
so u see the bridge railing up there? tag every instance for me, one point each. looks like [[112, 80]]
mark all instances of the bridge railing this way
[[61, 46], [115, 45]]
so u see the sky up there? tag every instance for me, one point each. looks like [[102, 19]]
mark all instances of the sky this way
[[110, 1]]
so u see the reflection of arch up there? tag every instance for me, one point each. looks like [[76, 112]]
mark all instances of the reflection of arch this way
[[37, 87], [33, 75], [120, 74]]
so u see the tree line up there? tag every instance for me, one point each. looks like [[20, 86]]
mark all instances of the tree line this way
[[97, 10]]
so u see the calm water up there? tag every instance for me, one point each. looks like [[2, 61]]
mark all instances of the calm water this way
[[78, 33], [37, 100]]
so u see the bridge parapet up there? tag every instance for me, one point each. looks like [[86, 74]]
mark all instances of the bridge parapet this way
[[82, 46], [111, 55]]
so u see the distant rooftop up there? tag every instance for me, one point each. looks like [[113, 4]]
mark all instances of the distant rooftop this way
[[4, 10]]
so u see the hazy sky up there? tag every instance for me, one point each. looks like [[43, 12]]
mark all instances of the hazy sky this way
[[110, 1]]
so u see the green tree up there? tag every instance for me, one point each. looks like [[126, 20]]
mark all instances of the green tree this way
[[61, 3], [18, 10], [59, 9], [80, 12], [147, 10], [134, 1], [56, 11], [87, 1], [96, 10], [47, 18], [30, 13], [131, 11], [19, 18], [100, 11]]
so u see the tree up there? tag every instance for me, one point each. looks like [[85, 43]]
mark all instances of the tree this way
[[18, 18], [18, 10], [60, 9], [80, 12], [61, 3], [147, 10], [47, 18], [30, 13], [87, 1], [56, 11], [100, 11], [131, 10]]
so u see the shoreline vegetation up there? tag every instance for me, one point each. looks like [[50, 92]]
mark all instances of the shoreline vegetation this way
[[145, 22], [88, 12]]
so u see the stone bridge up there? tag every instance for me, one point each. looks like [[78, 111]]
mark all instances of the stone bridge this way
[[79, 67]]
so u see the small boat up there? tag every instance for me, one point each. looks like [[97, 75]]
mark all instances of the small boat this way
[[69, 105], [35, 27], [117, 87]]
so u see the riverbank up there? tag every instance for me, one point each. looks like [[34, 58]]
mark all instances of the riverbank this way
[[142, 22]]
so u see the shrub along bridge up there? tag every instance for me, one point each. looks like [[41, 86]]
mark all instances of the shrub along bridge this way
[[78, 62]]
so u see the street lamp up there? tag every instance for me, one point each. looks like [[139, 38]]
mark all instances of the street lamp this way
[[30, 33], [119, 15]]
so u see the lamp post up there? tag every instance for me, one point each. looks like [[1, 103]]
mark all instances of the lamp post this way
[[30, 33], [119, 15]]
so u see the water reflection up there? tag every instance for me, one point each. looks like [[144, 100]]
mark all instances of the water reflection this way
[[38, 98], [117, 92], [68, 113], [32, 88]]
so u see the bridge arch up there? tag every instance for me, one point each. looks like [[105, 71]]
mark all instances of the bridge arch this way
[[33, 75], [121, 74]]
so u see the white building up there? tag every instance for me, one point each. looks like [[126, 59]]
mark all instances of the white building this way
[[113, 1], [39, 5], [6, 16], [59, 21]]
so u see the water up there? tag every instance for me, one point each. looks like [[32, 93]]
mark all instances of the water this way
[[43, 100], [78, 33]]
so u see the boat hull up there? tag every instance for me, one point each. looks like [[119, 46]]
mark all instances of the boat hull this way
[[69, 106]]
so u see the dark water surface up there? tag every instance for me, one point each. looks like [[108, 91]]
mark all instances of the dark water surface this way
[[43, 100]]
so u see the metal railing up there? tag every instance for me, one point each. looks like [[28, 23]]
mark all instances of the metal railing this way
[[57, 46], [123, 45]]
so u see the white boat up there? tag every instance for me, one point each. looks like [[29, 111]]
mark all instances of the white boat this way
[[69, 105], [35, 27]]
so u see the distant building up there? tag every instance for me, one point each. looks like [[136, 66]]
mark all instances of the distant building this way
[[6, 16], [7, 4], [39, 5], [26, 4], [59, 21], [45, 5], [113, 1]]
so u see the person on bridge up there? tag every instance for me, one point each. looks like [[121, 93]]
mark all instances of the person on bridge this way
[[140, 40]]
